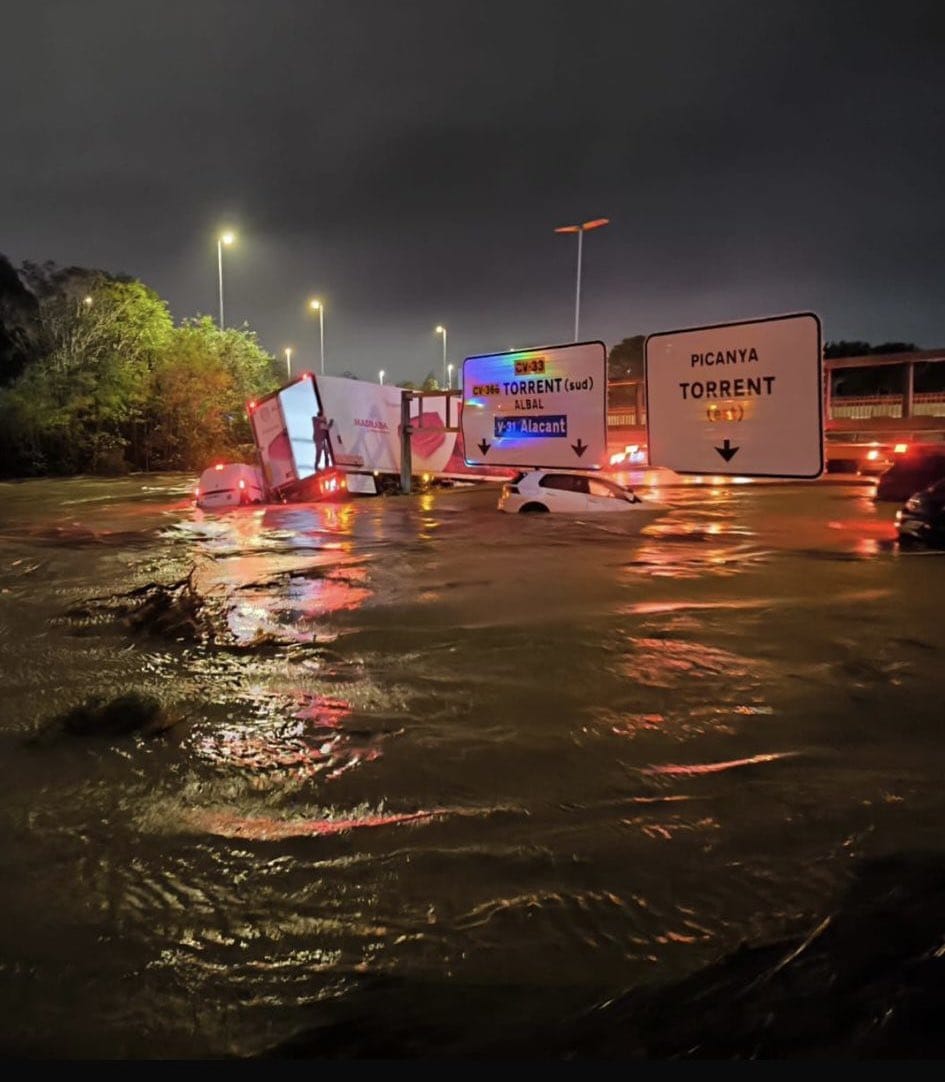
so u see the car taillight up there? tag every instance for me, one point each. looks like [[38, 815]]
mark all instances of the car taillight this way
[[197, 493], [242, 483], [510, 490]]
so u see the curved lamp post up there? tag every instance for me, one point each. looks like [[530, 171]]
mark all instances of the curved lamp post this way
[[585, 227]]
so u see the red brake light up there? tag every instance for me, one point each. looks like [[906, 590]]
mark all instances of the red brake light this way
[[901, 448], [218, 466], [242, 483], [252, 406]]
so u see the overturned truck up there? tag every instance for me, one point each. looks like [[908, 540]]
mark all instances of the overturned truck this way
[[380, 439]]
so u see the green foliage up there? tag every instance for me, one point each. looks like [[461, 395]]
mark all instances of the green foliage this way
[[198, 394], [74, 406], [111, 384], [431, 383]]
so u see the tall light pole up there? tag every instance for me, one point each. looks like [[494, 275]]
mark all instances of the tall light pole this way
[[381, 376], [585, 227], [442, 330], [317, 306], [449, 377], [288, 361], [226, 238]]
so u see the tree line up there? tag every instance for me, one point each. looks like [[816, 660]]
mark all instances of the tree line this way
[[95, 377]]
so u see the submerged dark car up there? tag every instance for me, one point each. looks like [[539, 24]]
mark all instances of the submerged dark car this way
[[922, 517], [914, 471]]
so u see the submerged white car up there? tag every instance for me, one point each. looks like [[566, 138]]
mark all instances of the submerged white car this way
[[574, 493], [230, 484]]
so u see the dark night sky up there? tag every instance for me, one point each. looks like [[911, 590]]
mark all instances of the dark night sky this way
[[407, 162]]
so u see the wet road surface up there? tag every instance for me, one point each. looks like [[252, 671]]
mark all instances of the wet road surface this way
[[412, 737]]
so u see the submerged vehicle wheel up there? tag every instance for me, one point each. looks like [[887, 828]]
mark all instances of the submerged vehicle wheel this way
[[532, 508]]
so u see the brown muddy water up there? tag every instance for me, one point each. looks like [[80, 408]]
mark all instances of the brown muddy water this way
[[523, 763]]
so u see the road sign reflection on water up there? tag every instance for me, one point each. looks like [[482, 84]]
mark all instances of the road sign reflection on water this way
[[419, 739]]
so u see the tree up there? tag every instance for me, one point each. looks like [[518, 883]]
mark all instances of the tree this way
[[431, 383], [846, 349], [625, 362], [626, 359], [198, 395], [895, 347], [96, 336], [18, 314]]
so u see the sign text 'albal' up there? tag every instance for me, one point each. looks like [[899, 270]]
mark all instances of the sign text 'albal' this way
[[536, 408]]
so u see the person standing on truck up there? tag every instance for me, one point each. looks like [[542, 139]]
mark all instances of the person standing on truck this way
[[320, 429]]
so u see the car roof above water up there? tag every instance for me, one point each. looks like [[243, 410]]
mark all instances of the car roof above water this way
[[227, 473]]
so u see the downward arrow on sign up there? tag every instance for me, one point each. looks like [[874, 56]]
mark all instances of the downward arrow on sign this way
[[484, 445], [579, 448], [727, 451]]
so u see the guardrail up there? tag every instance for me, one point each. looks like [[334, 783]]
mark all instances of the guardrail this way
[[864, 407], [853, 408]]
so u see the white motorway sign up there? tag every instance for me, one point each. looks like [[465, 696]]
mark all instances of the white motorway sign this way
[[738, 398], [536, 407]]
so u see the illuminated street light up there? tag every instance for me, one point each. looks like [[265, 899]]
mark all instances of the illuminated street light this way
[[87, 301], [585, 227], [288, 361], [317, 306], [226, 238], [442, 330], [449, 377], [381, 375]]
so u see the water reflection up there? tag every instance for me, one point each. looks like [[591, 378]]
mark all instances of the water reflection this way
[[271, 747], [229, 824], [673, 555], [533, 749]]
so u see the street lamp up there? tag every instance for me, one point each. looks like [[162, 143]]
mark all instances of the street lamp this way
[[226, 238], [449, 377], [317, 306], [585, 227], [87, 301], [288, 361], [442, 330], [381, 374]]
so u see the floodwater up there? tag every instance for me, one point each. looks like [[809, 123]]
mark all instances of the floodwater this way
[[522, 763]]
